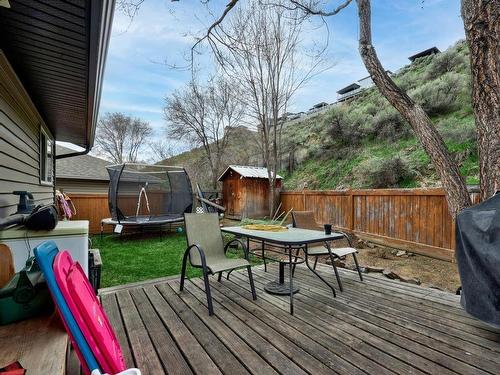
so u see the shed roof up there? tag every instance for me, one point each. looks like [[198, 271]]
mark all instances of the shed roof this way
[[82, 167], [58, 51], [248, 172]]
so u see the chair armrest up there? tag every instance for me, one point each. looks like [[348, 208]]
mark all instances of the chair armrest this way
[[346, 236], [244, 247], [200, 251]]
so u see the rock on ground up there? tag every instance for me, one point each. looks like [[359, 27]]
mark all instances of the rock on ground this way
[[374, 269], [411, 280], [391, 274]]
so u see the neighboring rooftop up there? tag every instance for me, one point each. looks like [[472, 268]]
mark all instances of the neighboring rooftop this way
[[320, 105], [351, 87], [83, 167], [427, 52], [248, 172]]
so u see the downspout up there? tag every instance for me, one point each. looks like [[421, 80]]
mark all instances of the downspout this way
[[76, 153]]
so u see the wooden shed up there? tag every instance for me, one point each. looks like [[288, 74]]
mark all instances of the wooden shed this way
[[245, 191]]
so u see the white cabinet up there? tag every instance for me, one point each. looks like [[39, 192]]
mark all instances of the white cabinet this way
[[68, 235]]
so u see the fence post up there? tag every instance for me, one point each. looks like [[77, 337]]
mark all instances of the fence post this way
[[351, 210], [453, 238]]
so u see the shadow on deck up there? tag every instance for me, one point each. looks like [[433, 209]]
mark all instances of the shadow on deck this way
[[377, 327]]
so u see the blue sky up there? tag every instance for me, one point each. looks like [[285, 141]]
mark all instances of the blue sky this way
[[137, 80]]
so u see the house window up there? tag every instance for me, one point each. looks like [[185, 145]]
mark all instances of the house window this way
[[46, 158]]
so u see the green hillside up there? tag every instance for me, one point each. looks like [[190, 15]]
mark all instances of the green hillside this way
[[365, 143], [242, 149]]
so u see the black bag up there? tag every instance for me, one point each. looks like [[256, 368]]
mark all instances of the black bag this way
[[42, 218]]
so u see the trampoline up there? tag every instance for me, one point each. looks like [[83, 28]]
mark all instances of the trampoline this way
[[142, 195]]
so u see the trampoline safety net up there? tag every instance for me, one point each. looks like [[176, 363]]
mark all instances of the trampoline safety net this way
[[142, 194]]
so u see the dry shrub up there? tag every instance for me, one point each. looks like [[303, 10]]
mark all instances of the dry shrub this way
[[378, 173], [389, 125], [445, 62], [440, 95]]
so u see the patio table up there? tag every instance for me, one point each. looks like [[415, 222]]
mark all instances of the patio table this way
[[291, 239]]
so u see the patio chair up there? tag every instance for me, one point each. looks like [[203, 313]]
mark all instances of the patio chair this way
[[305, 220], [206, 250]]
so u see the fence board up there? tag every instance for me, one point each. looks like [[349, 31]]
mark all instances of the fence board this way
[[91, 207], [414, 219]]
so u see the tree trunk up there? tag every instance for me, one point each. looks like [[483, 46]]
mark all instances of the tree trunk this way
[[214, 180], [271, 197], [482, 30], [453, 183]]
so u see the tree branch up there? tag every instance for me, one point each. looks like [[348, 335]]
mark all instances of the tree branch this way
[[316, 12], [207, 36]]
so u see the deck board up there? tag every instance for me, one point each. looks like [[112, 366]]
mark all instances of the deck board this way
[[39, 344], [113, 311], [143, 350], [389, 319], [374, 327], [404, 343]]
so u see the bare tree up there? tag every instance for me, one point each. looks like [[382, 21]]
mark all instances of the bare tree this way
[[204, 116], [161, 150], [120, 138], [262, 49], [430, 139]]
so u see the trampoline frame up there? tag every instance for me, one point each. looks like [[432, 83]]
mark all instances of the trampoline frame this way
[[151, 222]]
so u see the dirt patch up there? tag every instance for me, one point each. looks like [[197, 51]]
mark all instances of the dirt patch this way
[[429, 271]]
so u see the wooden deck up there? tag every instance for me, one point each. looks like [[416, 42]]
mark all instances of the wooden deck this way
[[375, 327]]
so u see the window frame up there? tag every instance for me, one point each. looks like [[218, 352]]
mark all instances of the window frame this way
[[46, 154]]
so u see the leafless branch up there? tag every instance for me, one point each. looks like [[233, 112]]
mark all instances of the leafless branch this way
[[120, 138], [309, 8], [208, 35], [205, 115]]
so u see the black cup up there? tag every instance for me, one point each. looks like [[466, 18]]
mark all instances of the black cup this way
[[328, 228]]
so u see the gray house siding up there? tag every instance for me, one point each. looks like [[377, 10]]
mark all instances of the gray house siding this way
[[82, 186], [20, 126]]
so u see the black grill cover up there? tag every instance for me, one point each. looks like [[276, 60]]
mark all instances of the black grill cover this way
[[478, 258]]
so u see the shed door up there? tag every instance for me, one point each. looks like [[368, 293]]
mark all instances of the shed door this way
[[232, 196]]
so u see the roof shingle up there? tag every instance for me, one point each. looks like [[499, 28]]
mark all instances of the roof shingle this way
[[83, 167]]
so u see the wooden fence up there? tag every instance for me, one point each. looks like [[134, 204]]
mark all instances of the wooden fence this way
[[91, 207], [413, 219]]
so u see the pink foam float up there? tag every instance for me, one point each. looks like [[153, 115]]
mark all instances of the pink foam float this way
[[89, 315]]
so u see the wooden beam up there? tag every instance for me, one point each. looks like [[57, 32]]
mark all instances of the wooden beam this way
[[413, 247]]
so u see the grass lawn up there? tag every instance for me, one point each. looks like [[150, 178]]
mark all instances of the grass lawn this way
[[138, 258]]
